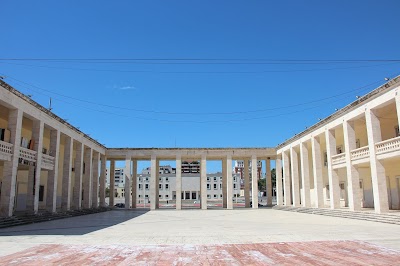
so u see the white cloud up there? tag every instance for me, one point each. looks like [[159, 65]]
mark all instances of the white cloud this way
[[127, 88]]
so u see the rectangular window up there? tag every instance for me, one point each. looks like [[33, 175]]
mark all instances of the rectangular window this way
[[215, 186], [220, 186], [160, 196], [215, 179], [147, 186], [234, 186], [160, 186], [215, 196], [166, 196], [208, 196], [166, 186], [208, 186], [160, 179], [208, 179], [140, 186], [166, 179]]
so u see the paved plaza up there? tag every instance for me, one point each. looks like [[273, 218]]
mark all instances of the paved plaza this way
[[222, 237]]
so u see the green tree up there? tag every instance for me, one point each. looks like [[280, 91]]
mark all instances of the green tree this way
[[107, 192]]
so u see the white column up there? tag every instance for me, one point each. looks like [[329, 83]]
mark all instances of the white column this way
[[78, 170], [203, 182], [134, 183], [224, 180], [67, 171], [317, 171], [34, 172], [305, 175], [353, 178], [254, 182], [103, 168], [178, 182], [87, 182], [334, 189], [229, 183], [246, 183], [398, 107], [268, 182], [51, 199], [278, 173], [153, 183], [127, 187], [295, 177], [112, 183], [286, 179], [10, 168], [378, 174], [95, 179]]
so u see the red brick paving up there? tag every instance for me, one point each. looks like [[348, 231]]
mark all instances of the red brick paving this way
[[292, 253]]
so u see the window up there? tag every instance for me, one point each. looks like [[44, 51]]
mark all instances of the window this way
[[339, 149], [166, 179], [146, 196], [208, 186], [220, 178], [234, 178], [166, 196], [220, 186], [215, 196], [234, 186], [147, 186], [358, 144], [160, 179], [147, 179], [215, 179], [140, 186], [160, 186], [397, 131], [221, 196], [166, 186], [215, 186], [208, 196], [208, 179], [139, 196], [159, 196]]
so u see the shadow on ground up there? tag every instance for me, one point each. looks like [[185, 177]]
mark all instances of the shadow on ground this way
[[79, 225]]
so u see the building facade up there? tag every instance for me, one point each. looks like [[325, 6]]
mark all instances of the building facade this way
[[349, 160]]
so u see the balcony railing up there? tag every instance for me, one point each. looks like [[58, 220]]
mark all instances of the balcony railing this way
[[388, 145], [26, 155], [47, 162], [338, 159], [360, 153], [6, 149]]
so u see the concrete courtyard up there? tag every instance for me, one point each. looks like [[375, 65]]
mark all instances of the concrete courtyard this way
[[225, 237]]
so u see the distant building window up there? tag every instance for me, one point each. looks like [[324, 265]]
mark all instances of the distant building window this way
[[234, 186], [166, 186], [140, 186], [160, 186], [215, 196], [166, 179], [160, 179], [166, 196], [208, 179], [215, 179], [208, 196], [208, 186], [160, 196], [215, 186], [147, 186]]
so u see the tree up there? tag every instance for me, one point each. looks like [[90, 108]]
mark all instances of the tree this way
[[261, 184], [107, 192]]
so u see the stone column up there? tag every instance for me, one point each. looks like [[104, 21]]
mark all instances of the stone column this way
[[34, 173], [153, 183], [278, 172], [286, 179], [353, 177], [203, 182], [51, 199], [295, 177], [268, 182], [378, 174], [67, 171], [224, 180], [95, 179], [103, 169], [8, 185], [134, 183], [246, 183], [78, 169], [305, 175], [334, 189], [178, 182], [87, 182], [254, 182], [127, 173], [317, 171], [112, 183], [397, 98], [229, 183]]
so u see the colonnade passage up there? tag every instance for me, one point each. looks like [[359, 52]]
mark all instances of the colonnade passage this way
[[134, 191]]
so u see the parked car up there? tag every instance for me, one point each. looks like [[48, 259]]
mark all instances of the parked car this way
[[120, 205], [259, 205]]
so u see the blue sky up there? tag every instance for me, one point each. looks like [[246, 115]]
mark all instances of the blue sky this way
[[221, 96]]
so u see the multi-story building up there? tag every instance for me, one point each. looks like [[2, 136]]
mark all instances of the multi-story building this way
[[239, 169], [349, 160]]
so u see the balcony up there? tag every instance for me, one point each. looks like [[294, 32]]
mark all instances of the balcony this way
[[388, 148], [339, 161], [27, 156], [47, 162], [360, 155], [5, 151]]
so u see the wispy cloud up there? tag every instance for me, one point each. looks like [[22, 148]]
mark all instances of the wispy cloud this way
[[124, 88]]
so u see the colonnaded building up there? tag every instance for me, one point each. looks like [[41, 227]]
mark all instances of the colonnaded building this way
[[350, 159]]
